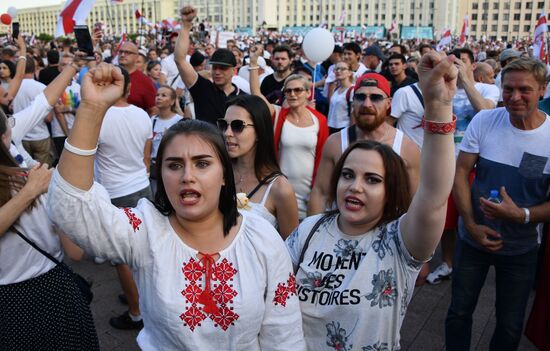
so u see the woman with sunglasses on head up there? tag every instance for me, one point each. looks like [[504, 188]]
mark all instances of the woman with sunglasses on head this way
[[357, 265], [42, 306], [300, 132], [166, 103], [339, 112], [262, 187], [209, 277]]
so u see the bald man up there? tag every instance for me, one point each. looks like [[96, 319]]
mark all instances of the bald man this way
[[142, 90], [484, 73]]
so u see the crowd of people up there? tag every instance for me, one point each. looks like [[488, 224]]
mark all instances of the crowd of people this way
[[251, 198]]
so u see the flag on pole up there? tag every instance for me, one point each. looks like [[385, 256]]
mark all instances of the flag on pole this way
[[342, 17], [465, 32], [539, 41], [142, 20], [444, 41], [74, 12], [393, 28]]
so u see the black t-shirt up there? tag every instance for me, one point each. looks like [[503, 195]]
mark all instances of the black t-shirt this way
[[210, 100], [272, 89], [48, 74]]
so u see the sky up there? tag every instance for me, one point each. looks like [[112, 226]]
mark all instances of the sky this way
[[4, 4]]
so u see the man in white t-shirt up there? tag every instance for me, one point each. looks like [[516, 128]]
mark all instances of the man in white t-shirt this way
[[469, 99], [37, 142], [121, 166], [407, 110]]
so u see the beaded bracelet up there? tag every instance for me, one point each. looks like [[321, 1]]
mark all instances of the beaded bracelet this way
[[439, 127], [78, 151]]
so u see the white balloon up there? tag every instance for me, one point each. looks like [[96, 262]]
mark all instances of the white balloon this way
[[12, 11], [318, 44]]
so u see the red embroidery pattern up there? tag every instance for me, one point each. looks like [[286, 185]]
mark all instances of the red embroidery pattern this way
[[285, 291], [209, 297], [134, 221]]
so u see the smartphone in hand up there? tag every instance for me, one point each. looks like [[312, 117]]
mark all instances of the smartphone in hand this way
[[84, 41], [15, 30]]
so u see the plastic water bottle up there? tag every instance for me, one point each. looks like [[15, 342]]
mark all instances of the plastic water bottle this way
[[494, 223]]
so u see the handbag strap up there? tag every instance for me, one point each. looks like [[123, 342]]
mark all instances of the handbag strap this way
[[262, 182], [308, 239], [31, 243]]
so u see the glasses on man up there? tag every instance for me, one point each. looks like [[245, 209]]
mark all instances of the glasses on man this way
[[126, 52], [374, 98], [11, 122], [340, 69], [296, 91], [237, 125]]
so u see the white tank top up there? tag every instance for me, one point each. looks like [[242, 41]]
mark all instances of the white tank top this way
[[397, 141], [259, 208]]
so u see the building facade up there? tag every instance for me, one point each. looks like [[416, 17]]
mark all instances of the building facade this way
[[117, 17]]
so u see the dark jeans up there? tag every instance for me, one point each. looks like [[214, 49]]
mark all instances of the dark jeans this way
[[514, 281]]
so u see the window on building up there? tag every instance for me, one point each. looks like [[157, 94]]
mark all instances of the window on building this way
[[412, 17], [505, 38], [484, 16], [528, 5], [494, 27], [506, 5], [474, 16], [412, 5], [527, 28], [474, 6], [540, 5], [383, 17], [495, 16], [517, 16], [401, 17], [506, 16], [516, 28], [505, 28], [495, 6], [485, 5], [517, 5], [483, 27]]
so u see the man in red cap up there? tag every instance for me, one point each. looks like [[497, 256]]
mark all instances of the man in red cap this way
[[370, 107]]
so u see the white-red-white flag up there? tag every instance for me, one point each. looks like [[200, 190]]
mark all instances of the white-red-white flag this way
[[444, 41], [465, 32], [141, 19], [393, 27], [539, 40], [75, 12], [342, 18]]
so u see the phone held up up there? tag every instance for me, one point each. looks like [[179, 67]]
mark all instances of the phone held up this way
[[15, 30], [84, 41]]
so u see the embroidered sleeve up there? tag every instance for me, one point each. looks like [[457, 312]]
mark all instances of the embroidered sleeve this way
[[282, 324], [92, 222]]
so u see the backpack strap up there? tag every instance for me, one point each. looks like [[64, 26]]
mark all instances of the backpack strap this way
[[348, 99], [308, 239], [262, 182], [418, 94]]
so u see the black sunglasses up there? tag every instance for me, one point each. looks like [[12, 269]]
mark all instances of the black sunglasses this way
[[237, 126], [375, 98], [296, 91]]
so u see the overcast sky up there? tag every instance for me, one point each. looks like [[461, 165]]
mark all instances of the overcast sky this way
[[4, 4]]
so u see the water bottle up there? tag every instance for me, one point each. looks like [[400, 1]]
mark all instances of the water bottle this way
[[494, 223]]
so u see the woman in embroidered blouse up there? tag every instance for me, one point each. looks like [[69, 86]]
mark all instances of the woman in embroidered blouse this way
[[356, 270], [208, 277], [249, 140], [300, 132], [42, 308]]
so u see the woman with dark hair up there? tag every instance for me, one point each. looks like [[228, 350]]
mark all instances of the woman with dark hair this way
[[261, 186], [154, 72], [7, 72], [208, 277], [357, 265], [42, 307]]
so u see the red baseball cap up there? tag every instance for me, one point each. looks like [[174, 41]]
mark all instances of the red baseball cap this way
[[381, 82]]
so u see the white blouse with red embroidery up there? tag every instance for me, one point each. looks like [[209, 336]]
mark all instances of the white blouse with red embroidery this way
[[246, 300]]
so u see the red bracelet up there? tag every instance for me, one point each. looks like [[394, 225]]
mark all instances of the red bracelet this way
[[439, 127]]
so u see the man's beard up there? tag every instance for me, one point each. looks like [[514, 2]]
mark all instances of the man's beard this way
[[370, 124], [282, 69]]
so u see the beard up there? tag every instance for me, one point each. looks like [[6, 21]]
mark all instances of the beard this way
[[369, 124]]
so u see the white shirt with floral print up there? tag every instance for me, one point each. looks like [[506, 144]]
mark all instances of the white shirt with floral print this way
[[353, 290]]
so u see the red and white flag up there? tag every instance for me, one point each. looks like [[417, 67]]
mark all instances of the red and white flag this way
[[540, 50], [444, 41], [142, 20], [74, 12], [465, 32], [342, 18], [393, 28]]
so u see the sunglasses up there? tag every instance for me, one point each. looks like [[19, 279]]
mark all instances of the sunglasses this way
[[374, 98], [296, 91], [237, 126]]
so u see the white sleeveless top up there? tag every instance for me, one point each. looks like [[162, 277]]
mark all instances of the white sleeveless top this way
[[397, 141], [259, 208]]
